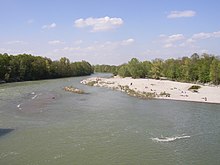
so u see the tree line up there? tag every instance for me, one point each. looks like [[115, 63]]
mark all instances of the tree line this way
[[202, 69], [105, 68], [25, 67]]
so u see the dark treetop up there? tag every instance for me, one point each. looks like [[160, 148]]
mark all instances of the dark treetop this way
[[25, 67]]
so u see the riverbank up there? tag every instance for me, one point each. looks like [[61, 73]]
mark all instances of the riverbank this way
[[159, 89]]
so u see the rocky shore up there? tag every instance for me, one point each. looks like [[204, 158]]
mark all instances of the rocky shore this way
[[158, 89]]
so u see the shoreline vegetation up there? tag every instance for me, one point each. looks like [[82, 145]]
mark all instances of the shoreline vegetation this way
[[204, 69], [158, 89], [195, 78], [26, 67]]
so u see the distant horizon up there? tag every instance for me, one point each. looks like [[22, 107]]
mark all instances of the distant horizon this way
[[110, 32]]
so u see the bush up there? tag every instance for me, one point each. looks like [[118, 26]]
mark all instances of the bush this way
[[194, 87]]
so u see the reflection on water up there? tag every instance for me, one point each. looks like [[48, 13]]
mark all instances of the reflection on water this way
[[4, 131], [102, 127]]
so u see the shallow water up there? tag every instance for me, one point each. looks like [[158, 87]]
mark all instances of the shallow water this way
[[50, 126]]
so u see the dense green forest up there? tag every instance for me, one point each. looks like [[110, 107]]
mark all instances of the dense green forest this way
[[26, 67], [23, 67], [202, 69], [105, 68]]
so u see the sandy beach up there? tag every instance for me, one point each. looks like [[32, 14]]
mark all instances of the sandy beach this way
[[159, 89]]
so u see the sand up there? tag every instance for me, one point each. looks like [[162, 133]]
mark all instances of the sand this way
[[161, 89]]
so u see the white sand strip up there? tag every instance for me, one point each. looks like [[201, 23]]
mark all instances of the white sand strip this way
[[176, 90]]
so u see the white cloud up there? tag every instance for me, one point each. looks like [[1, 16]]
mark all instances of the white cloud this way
[[50, 26], [56, 42], [216, 34], [98, 46], [181, 14], [172, 40], [181, 45], [200, 36], [110, 52], [175, 37], [99, 24], [190, 40], [16, 42], [168, 45], [127, 42], [70, 49], [30, 21]]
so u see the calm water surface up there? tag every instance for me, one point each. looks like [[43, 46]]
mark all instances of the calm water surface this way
[[41, 124]]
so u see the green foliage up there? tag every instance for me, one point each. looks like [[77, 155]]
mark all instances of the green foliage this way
[[123, 71], [194, 87], [215, 71], [131, 92], [184, 66], [25, 67], [156, 70], [135, 68], [203, 69], [105, 68], [147, 66]]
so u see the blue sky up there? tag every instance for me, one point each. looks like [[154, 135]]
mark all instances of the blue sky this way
[[110, 31]]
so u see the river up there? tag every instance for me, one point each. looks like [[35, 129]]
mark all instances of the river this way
[[41, 124]]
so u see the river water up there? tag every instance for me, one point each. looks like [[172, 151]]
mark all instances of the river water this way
[[41, 124]]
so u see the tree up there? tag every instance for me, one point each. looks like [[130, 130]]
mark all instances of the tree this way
[[194, 68], [14, 68], [124, 71], [170, 69], [4, 66], [204, 68], [184, 69], [147, 65], [135, 68], [105, 68], [156, 69], [64, 67], [27, 67], [39, 68], [86, 67], [215, 71]]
